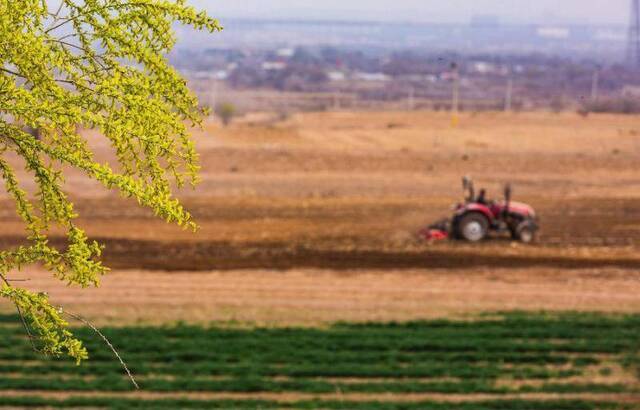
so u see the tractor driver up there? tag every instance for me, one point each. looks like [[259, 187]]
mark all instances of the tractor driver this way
[[482, 197]]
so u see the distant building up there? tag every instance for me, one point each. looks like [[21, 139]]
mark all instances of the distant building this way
[[609, 34], [631, 91], [274, 65], [557, 33], [220, 75], [286, 52], [372, 77], [336, 76], [483, 67]]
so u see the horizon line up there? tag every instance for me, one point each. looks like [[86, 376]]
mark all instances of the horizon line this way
[[499, 23]]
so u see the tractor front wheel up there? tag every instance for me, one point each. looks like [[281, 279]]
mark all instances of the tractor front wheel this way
[[473, 227], [525, 232]]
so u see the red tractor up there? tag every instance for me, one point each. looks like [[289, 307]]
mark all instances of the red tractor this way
[[474, 219]]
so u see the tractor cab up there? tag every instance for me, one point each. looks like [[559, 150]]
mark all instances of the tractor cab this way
[[470, 193]]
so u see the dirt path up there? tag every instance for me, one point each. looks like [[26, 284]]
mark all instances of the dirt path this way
[[311, 297], [357, 397]]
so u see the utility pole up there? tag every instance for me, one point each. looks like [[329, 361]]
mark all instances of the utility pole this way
[[411, 99], [595, 85], [633, 46], [213, 96], [508, 99], [455, 98], [336, 100]]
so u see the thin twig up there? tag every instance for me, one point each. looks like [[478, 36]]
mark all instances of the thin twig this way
[[87, 53], [11, 72], [104, 338], [59, 80], [57, 26], [25, 325], [70, 35], [27, 330], [65, 43], [56, 15]]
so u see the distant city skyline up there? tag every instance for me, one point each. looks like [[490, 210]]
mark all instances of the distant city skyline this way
[[445, 11]]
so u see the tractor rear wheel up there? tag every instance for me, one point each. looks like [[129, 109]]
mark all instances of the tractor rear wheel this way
[[473, 227]]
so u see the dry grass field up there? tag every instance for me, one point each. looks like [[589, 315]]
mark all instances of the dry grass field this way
[[313, 218]]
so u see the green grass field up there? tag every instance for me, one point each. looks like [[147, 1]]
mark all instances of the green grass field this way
[[509, 361]]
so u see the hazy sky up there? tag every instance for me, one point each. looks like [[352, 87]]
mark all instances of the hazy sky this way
[[527, 11]]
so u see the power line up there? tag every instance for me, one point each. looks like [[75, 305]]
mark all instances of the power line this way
[[634, 35]]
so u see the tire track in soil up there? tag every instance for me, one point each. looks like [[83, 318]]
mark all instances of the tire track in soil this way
[[225, 255], [289, 397]]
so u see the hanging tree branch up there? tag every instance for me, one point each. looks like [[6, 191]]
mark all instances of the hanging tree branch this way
[[90, 64]]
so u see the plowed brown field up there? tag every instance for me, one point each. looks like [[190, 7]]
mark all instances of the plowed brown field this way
[[314, 219]]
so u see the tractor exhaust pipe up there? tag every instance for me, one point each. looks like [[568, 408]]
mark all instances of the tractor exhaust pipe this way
[[508, 191], [467, 186]]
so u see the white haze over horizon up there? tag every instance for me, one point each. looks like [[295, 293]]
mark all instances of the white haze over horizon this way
[[444, 11]]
